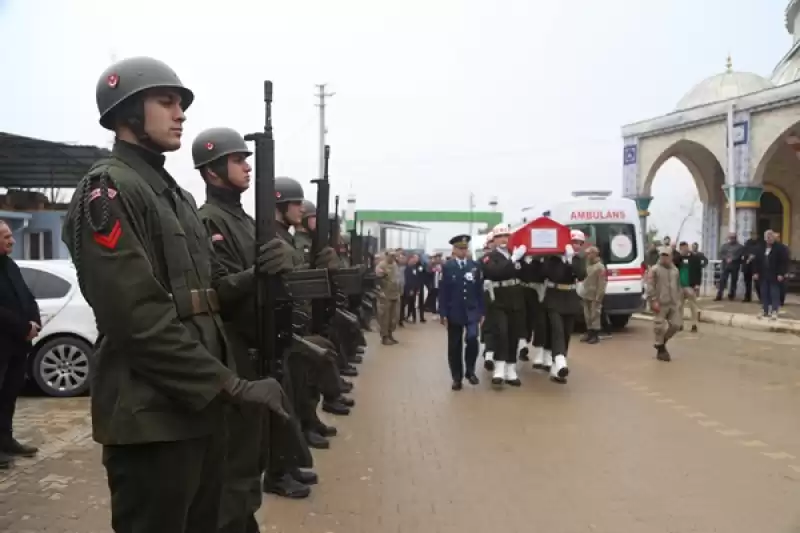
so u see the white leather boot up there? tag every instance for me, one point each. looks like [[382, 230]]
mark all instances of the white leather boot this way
[[499, 372], [559, 371], [538, 357], [548, 359], [488, 361], [522, 350], [511, 375]]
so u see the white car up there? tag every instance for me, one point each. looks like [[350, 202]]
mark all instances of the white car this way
[[61, 360]]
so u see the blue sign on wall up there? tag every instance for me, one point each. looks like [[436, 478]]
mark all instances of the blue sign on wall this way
[[629, 155]]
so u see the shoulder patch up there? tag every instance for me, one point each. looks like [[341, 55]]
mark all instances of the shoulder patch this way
[[217, 237], [96, 193]]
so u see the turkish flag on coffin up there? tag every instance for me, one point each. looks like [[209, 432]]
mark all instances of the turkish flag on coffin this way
[[543, 236]]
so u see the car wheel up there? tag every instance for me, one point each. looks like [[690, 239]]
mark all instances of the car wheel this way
[[619, 321], [61, 367]]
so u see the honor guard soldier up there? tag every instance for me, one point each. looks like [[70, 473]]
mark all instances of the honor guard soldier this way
[[486, 326], [538, 328], [562, 273], [146, 267], [220, 155], [506, 302], [461, 311]]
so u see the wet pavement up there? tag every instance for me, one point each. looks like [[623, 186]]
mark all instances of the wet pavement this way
[[708, 442]]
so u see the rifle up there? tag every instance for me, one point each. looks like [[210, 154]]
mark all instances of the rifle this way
[[319, 308], [333, 237], [266, 363]]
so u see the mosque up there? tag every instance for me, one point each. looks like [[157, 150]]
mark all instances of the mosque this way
[[753, 186]]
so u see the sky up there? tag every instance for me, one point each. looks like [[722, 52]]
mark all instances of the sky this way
[[434, 99]]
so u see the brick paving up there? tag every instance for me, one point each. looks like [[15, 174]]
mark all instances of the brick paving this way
[[706, 443]]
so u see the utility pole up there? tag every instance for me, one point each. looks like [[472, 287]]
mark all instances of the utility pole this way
[[322, 129]]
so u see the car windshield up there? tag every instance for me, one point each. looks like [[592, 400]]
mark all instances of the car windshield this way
[[616, 242]]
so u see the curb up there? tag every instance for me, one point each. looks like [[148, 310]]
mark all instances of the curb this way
[[739, 320]]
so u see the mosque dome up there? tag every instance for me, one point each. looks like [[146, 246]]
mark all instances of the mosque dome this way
[[729, 84]]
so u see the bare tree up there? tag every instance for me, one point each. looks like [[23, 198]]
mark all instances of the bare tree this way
[[689, 211]]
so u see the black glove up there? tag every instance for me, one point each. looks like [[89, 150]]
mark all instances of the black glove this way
[[327, 258], [275, 257], [267, 392]]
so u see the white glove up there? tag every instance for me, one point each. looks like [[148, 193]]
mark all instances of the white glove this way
[[518, 252], [569, 253]]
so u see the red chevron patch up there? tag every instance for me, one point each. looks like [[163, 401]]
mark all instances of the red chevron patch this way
[[109, 241]]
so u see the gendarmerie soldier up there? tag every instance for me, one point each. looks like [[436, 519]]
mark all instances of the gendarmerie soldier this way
[[146, 267], [506, 303], [461, 311], [486, 327], [562, 301], [533, 279], [220, 154]]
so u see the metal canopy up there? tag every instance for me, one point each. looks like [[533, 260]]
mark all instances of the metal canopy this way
[[28, 163]]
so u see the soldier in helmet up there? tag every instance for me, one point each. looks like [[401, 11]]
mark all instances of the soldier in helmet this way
[[505, 306], [147, 269], [220, 154], [561, 300]]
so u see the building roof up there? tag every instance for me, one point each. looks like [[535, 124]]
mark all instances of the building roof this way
[[26, 162], [723, 86]]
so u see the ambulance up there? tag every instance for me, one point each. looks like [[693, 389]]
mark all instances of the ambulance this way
[[611, 224]]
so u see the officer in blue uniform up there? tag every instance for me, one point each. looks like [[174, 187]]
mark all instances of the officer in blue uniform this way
[[461, 311]]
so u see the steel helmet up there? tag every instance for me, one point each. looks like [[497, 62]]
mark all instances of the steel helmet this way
[[309, 209], [214, 143], [501, 230], [131, 76], [288, 190], [577, 235]]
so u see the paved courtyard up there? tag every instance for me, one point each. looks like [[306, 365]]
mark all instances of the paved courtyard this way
[[706, 443]]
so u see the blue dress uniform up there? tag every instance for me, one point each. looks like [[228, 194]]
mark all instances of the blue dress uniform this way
[[461, 305]]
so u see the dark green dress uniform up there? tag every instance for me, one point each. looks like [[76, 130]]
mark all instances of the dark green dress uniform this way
[[146, 268], [253, 435]]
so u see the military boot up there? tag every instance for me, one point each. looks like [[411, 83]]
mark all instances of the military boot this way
[[355, 359], [324, 429], [593, 338], [335, 407], [306, 477], [661, 353], [586, 336], [285, 486], [5, 461], [511, 376], [386, 341], [559, 371], [11, 446], [347, 402], [361, 349], [393, 340], [348, 371], [499, 373], [345, 385], [316, 441], [488, 361]]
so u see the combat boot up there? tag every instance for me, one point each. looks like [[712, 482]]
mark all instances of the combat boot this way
[[347, 402], [662, 354], [393, 340], [386, 342], [306, 477], [286, 487], [586, 336], [538, 357], [334, 407], [11, 446], [593, 338], [323, 429], [355, 359], [360, 349], [348, 371], [511, 375], [559, 371], [488, 361], [316, 441], [499, 373], [548, 360], [345, 385], [522, 349]]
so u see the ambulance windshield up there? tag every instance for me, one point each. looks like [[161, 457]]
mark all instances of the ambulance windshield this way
[[617, 241]]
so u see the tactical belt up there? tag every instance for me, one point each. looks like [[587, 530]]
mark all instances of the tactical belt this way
[[196, 302], [559, 286], [531, 284], [506, 283]]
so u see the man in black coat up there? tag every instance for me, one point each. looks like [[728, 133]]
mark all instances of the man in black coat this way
[[771, 265], [20, 322]]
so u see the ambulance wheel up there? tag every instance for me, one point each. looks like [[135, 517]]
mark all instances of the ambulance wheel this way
[[619, 321]]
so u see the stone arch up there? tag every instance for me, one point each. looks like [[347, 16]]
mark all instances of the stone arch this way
[[786, 210], [702, 164], [770, 132]]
